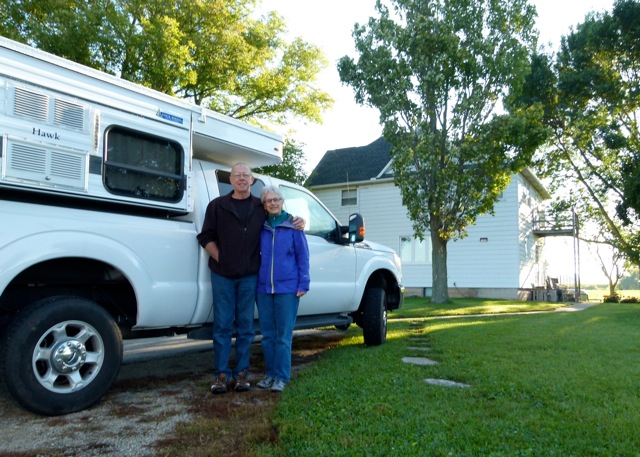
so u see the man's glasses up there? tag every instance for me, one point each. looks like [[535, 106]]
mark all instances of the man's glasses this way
[[241, 175]]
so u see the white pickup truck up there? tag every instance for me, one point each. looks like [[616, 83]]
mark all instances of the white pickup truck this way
[[103, 188]]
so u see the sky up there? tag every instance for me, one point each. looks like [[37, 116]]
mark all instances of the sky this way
[[347, 124]]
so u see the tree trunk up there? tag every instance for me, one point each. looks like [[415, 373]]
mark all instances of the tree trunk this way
[[440, 290]]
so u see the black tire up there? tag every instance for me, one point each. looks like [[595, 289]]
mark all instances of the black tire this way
[[374, 319], [60, 355]]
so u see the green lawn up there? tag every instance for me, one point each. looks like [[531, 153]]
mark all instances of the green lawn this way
[[551, 384], [597, 293], [422, 307]]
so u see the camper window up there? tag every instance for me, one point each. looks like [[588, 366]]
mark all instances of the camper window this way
[[143, 166]]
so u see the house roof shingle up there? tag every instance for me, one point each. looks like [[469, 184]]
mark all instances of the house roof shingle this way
[[362, 163], [351, 164]]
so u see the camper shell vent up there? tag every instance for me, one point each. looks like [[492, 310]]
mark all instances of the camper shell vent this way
[[69, 115], [47, 166], [33, 105]]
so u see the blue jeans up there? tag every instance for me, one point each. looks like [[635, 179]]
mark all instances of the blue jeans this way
[[277, 313], [233, 303]]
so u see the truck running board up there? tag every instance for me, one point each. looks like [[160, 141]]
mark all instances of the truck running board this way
[[302, 322]]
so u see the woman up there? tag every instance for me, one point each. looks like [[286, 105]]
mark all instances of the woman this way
[[283, 278]]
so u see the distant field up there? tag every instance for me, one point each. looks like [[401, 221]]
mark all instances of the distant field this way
[[596, 294]]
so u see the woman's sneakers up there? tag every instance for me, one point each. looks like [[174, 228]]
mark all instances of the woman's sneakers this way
[[266, 382], [277, 386]]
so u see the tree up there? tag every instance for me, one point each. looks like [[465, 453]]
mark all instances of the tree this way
[[210, 51], [292, 166], [591, 98], [631, 281], [438, 72], [612, 268], [628, 208]]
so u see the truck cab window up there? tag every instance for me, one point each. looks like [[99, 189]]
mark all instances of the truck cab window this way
[[224, 184], [143, 166], [319, 221]]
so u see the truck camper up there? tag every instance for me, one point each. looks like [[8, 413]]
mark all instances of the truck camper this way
[[103, 188]]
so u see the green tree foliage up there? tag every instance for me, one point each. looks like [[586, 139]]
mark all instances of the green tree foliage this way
[[591, 96], [211, 51], [631, 281], [292, 166], [439, 72], [628, 207]]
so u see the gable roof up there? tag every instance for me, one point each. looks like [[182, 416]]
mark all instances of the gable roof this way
[[360, 163], [363, 163]]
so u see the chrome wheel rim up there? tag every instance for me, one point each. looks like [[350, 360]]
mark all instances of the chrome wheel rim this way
[[68, 356]]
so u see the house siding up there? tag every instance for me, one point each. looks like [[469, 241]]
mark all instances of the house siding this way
[[532, 270], [476, 263]]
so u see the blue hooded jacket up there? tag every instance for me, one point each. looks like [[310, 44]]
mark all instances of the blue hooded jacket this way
[[284, 265]]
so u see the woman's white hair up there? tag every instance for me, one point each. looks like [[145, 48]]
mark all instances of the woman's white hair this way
[[270, 190]]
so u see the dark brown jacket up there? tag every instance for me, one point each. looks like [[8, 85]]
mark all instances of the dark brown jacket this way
[[238, 245]]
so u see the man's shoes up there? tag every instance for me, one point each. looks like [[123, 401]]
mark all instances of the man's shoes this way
[[277, 386], [241, 384], [266, 382], [219, 385]]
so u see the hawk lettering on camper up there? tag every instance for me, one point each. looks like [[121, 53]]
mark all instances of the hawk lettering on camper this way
[[42, 133]]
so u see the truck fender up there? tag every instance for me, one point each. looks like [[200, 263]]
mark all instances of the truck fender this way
[[374, 266], [20, 254]]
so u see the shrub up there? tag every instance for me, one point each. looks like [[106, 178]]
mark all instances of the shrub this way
[[615, 298], [629, 300]]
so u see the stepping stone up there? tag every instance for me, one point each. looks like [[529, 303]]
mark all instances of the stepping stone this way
[[418, 338], [445, 382], [419, 361], [416, 348]]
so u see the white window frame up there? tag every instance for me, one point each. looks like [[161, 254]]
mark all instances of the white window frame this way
[[349, 197], [414, 251]]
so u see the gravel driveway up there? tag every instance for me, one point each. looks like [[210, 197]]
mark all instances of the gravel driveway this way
[[140, 411]]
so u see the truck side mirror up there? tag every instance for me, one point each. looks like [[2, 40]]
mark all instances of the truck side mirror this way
[[356, 228]]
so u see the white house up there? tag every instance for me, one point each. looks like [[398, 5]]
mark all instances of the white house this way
[[500, 258]]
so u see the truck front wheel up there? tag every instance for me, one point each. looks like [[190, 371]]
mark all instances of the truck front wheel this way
[[374, 318], [60, 355]]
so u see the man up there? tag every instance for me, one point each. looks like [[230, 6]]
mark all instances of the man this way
[[231, 236]]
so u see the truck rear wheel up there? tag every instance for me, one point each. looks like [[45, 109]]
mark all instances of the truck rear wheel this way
[[60, 355], [374, 319]]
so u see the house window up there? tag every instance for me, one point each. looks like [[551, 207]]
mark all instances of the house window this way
[[414, 250], [349, 197]]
